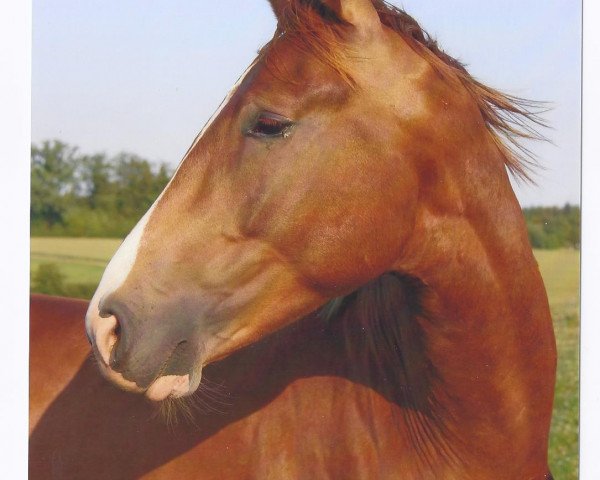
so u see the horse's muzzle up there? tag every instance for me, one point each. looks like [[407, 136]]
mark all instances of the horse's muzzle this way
[[111, 341]]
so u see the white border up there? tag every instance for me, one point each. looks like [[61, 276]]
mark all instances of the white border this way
[[15, 134], [590, 248], [15, 128]]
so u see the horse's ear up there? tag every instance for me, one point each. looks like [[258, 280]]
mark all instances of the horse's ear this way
[[359, 13]]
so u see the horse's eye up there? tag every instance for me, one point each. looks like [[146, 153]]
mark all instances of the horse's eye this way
[[270, 125]]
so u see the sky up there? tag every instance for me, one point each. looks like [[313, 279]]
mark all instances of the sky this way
[[143, 76]]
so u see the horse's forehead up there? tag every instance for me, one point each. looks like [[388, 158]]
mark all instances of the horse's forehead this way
[[386, 68], [287, 70]]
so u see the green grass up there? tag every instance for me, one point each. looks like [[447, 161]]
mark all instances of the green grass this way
[[560, 269], [82, 260]]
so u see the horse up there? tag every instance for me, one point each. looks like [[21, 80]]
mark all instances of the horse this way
[[341, 253]]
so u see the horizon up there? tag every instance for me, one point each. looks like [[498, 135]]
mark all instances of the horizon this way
[[141, 77]]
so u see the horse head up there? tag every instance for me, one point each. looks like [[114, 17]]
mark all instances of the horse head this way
[[348, 149]]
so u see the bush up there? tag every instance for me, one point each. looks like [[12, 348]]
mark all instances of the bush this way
[[48, 279]]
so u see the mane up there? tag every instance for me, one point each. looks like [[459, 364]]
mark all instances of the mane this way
[[315, 28], [381, 327]]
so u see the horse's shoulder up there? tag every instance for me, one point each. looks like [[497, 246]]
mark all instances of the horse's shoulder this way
[[57, 348], [40, 303], [46, 311]]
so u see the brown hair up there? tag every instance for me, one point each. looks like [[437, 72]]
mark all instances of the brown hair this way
[[316, 28]]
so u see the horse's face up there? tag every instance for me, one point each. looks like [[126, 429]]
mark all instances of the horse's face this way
[[301, 189]]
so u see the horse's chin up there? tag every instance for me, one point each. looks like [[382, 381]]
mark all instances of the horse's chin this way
[[169, 386], [165, 386], [174, 386]]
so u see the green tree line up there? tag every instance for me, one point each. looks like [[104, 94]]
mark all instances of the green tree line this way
[[554, 227], [80, 195], [75, 194]]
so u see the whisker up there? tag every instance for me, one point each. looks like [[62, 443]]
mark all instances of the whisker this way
[[217, 397], [210, 398]]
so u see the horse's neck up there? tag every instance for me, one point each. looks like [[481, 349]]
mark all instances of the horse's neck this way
[[488, 335], [464, 359]]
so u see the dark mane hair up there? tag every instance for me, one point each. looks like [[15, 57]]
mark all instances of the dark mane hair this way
[[316, 28], [381, 327]]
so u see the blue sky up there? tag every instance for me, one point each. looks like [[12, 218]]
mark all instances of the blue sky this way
[[144, 75]]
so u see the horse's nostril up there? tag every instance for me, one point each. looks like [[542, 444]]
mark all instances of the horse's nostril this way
[[117, 351], [114, 360], [117, 329], [106, 336]]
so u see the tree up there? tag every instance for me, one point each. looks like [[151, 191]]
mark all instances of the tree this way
[[554, 227], [52, 181], [134, 180], [161, 179], [136, 184], [95, 183]]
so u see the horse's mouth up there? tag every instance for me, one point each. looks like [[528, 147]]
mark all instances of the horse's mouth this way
[[161, 388], [171, 380]]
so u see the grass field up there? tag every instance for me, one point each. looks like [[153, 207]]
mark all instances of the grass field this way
[[82, 260], [560, 269]]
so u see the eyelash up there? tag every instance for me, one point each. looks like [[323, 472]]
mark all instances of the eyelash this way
[[270, 125]]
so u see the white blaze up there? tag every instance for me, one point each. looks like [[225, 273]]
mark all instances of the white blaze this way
[[122, 262], [119, 266]]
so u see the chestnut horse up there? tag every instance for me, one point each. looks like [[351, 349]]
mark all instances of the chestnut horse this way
[[342, 251]]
